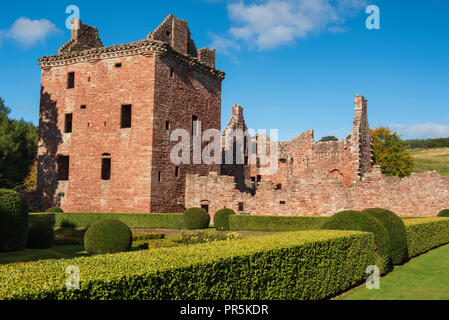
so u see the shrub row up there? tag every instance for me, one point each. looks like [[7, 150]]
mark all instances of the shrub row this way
[[361, 221], [303, 265], [133, 220], [424, 234], [273, 223], [13, 221]]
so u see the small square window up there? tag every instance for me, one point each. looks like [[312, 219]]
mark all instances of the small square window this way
[[83, 107], [118, 65]]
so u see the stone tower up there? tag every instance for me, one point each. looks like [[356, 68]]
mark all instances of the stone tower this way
[[106, 115]]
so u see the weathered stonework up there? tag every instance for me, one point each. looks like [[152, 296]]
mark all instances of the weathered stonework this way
[[319, 179], [310, 195], [168, 84], [162, 81]]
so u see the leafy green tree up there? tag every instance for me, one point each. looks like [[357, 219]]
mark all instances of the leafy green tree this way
[[18, 148], [329, 138], [390, 153]]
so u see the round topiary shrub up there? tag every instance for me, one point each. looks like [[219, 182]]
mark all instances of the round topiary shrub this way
[[13, 221], [55, 210], [40, 235], [443, 213], [196, 218], [360, 221], [396, 231], [221, 218], [108, 236]]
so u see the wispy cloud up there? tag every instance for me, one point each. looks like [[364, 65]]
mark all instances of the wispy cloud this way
[[421, 131], [268, 24], [29, 32], [224, 45]]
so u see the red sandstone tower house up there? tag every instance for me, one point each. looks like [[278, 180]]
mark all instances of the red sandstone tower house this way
[[106, 114]]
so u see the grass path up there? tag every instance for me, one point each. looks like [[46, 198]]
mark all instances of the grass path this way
[[423, 278]]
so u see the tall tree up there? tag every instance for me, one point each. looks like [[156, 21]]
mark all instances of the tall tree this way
[[18, 148], [390, 153]]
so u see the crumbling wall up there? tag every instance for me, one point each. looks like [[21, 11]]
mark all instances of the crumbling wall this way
[[422, 194], [83, 37]]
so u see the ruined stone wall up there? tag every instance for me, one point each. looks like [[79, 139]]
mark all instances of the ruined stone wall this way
[[303, 155], [102, 88], [422, 194], [181, 92], [346, 160]]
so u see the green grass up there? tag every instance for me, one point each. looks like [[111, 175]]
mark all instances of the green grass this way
[[56, 252], [432, 159], [423, 278]]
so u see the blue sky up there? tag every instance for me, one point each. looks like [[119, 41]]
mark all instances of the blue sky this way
[[293, 65]]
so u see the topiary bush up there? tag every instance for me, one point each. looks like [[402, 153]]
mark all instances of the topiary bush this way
[[108, 236], [221, 219], [40, 235], [360, 221], [13, 221], [196, 218], [55, 210], [443, 213], [396, 231]]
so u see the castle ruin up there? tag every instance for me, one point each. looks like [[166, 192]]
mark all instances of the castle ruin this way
[[106, 115]]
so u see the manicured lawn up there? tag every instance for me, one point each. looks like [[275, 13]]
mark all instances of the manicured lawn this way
[[56, 252], [423, 278], [432, 159]]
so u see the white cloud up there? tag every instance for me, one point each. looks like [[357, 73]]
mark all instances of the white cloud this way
[[224, 45], [419, 131], [28, 32], [272, 23]]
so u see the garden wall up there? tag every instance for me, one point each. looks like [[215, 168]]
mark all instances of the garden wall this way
[[422, 194]]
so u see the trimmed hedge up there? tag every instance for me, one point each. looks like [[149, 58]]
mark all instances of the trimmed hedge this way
[[303, 265], [108, 236], [424, 234], [133, 220], [13, 221], [274, 223], [54, 210], [49, 217], [196, 218], [443, 213], [396, 231], [221, 219], [360, 221], [40, 235]]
